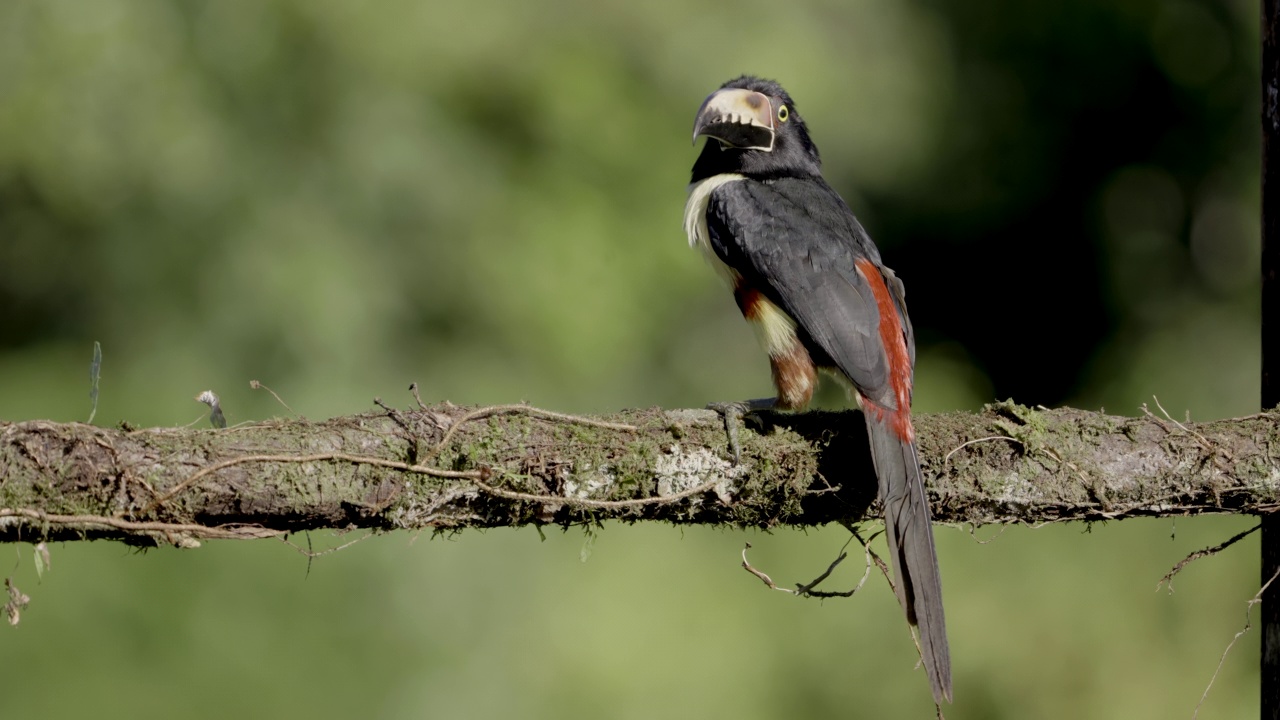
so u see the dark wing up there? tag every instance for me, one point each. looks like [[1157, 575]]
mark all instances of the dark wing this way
[[794, 240]]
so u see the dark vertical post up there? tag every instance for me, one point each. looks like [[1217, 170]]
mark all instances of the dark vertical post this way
[[1270, 668]]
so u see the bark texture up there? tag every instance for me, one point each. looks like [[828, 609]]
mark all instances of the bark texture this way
[[447, 468]]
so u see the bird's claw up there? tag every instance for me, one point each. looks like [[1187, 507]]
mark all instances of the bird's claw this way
[[733, 413]]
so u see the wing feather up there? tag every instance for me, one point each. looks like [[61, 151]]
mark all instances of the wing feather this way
[[797, 242]]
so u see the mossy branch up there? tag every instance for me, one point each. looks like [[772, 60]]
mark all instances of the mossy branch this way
[[448, 468]]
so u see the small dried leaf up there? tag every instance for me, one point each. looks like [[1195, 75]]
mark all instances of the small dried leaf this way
[[17, 602]]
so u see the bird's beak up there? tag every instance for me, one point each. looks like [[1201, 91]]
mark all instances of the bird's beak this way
[[737, 118]]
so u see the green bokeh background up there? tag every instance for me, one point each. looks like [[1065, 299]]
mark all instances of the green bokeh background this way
[[484, 197]]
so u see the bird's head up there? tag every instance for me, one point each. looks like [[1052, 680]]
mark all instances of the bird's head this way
[[752, 128]]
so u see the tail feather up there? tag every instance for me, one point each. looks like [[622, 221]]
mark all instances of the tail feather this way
[[915, 561]]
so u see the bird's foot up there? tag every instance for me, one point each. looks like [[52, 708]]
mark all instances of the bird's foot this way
[[733, 413]]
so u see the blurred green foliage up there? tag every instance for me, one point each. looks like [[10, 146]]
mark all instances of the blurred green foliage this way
[[339, 199]]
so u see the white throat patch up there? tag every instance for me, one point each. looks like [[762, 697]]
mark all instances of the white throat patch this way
[[695, 210]]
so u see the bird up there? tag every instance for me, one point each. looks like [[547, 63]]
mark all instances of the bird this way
[[810, 281]]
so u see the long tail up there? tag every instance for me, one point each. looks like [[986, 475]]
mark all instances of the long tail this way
[[915, 562]]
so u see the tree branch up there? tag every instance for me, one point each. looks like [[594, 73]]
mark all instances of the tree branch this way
[[448, 468]]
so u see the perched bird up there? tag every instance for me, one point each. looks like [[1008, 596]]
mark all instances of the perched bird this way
[[811, 283]]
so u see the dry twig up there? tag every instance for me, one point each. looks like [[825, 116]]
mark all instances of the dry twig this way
[[1248, 624], [1205, 552]]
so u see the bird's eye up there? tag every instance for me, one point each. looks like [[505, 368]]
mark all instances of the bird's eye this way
[[783, 113]]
